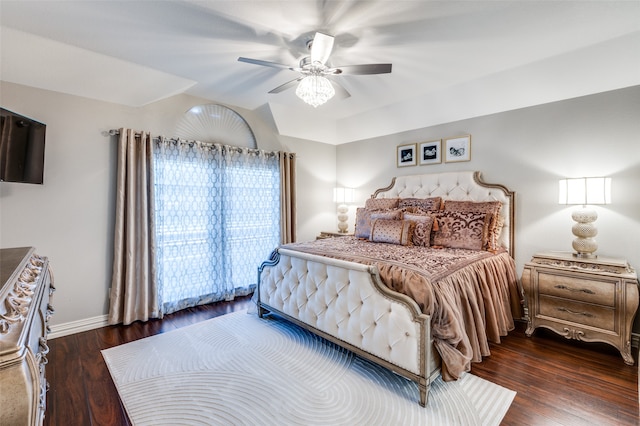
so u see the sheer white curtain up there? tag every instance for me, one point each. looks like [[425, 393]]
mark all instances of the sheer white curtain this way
[[193, 222], [218, 216]]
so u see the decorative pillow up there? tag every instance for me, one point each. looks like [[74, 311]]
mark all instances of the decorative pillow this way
[[390, 214], [432, 203], [473, 206], [422, 231], [364, 217], [492, 239], [495, 233], [381, 203], [363, 223], [419, 212], [391, 231], [465, 230]]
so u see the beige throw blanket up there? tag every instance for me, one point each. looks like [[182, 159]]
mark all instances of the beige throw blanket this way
[[471, 296]]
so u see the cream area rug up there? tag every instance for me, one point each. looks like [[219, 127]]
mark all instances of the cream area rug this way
[[238, 369]]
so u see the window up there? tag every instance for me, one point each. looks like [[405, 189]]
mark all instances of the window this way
[[217, 213]]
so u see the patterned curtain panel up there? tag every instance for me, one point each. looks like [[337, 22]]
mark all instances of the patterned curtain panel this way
[[217, 211]]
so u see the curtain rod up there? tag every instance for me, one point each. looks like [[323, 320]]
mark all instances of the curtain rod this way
[[116, 132]]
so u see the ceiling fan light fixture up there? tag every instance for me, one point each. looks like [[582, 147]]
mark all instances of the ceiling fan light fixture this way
[[315, 90]]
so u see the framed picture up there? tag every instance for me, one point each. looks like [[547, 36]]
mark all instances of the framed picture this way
[[407, 155], [430, 152], [457, 149]]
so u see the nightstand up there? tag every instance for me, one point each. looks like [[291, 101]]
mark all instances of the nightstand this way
[[593, 300], [329, 234]]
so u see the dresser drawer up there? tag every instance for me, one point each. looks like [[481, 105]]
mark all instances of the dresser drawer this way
[[578, 312], [577, 288]]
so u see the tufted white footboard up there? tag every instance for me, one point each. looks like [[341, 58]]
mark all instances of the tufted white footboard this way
[[346, 303]]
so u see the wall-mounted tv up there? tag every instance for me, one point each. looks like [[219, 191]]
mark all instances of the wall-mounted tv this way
[[21, 148]]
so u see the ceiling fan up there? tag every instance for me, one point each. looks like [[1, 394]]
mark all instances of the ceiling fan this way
[[314, 88]]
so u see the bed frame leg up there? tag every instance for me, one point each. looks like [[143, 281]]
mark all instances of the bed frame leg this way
[[424, 394], [262, 311]]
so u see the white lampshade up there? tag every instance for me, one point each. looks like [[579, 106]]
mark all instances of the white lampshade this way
[[315, 90], [343, 195], [594, 190]]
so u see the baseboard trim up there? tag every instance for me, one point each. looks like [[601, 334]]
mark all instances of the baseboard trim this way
[[65, 329], [73, 327]]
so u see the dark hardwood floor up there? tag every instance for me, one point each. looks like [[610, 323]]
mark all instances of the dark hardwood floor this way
[[558, 382]]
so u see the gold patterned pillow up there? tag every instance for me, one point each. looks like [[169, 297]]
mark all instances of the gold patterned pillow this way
[[381, 203], [418, 210], [465, 230], [364, 217], [422, 231], [495, 233], [432, 203], [496, 223], [391, 231]]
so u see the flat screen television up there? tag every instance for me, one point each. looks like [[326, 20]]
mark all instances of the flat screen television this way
[[21, 148]]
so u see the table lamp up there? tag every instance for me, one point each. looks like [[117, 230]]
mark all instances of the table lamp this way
[[586, 191]]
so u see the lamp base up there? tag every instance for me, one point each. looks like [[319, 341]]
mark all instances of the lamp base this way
[[584, 230], [585, 255], [343, 217]]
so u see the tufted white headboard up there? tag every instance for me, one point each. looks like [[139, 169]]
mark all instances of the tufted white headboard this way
[[461, 186]]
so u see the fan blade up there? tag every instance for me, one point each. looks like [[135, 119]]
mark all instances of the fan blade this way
[[321, 48], [361, 69], [285, 86], [264, 63]]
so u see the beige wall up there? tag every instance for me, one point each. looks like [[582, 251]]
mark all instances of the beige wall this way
[[70, 220], [528, 150]]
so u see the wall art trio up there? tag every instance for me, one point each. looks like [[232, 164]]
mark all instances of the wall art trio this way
[[452, 150]]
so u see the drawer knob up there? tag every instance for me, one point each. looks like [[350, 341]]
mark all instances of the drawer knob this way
[[569, 311], [575, 290]]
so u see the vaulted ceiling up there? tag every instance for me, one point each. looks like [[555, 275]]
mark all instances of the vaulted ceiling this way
[[451, 59]]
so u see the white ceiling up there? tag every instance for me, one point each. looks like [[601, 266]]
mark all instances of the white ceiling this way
[[451, 59]]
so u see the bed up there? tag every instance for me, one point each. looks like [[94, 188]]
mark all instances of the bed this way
[[426, 282]]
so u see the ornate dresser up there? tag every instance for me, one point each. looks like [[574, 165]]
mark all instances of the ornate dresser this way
[[588, 299], [25, 310]]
